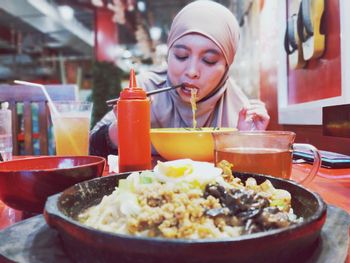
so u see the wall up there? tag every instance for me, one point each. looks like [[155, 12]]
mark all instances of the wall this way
[[106, 35], [245, 69], [269, 64], [320, 78]]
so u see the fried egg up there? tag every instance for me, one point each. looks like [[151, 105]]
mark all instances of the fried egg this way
[[186, 170]]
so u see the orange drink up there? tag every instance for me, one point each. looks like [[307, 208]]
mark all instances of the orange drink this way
[[71, 127]]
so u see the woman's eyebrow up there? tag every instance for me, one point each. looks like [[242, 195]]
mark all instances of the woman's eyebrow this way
[[214, 51], [211, 50], [181, 46]]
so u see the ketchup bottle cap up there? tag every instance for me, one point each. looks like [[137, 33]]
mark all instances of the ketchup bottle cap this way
[[133, 92]]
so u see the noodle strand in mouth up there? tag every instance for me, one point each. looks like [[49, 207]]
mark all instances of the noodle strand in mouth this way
[[194, 106]]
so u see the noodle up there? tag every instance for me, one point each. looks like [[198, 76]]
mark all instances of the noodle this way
[[195, 205], [194, 106]]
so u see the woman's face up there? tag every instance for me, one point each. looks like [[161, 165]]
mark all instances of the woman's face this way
[[196, 60]]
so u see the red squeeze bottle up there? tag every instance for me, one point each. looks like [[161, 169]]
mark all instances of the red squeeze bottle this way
[[134, 124]]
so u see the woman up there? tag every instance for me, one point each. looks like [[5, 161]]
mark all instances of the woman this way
[[202, 43]]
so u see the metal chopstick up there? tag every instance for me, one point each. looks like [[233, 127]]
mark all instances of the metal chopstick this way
[[148, 93]]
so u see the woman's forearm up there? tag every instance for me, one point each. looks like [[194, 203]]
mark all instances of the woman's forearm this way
[[103, 137], [113, 134]]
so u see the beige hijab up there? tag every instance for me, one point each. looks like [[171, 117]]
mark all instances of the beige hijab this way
[[221, 107]]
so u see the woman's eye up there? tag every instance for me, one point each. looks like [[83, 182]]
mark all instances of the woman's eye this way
[[181, 57], [209, 62]]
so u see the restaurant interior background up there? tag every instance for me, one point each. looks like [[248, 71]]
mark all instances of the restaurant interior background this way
[[94, 43]]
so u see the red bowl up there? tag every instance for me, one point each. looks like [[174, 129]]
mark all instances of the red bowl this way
[[25, 184]]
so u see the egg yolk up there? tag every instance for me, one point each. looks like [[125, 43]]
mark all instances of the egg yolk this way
[[176, 171]]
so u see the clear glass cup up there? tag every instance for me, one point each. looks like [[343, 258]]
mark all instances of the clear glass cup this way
[[263, 152], [6, 146], [71, 125]]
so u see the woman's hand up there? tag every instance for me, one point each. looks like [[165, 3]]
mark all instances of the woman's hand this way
[[253, 116], [113, 129]]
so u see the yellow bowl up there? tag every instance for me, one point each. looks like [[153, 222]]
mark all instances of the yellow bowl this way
[[179, 143]]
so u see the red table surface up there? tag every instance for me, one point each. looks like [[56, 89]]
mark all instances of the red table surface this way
[[332, 184]]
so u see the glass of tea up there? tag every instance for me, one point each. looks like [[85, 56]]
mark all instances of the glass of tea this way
[[262, 152]]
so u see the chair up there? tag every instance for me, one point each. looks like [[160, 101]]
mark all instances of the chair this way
[[17, 95]]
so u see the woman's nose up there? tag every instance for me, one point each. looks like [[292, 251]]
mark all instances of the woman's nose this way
[[192, 70]]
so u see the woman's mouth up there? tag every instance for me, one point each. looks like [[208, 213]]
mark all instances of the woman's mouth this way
[[187, 88]]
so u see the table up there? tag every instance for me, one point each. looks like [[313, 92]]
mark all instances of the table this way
[[332, 184]]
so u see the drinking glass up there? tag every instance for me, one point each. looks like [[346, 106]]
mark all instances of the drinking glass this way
[[5, 134], [71, 125], [263, 152]]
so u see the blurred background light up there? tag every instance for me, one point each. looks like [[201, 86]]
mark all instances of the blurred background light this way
[[155, 32], [66, 12]]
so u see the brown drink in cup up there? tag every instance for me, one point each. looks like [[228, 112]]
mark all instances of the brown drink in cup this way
[[262, 152]]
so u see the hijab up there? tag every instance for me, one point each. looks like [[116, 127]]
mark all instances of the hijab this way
[[221, 107], [211, 20]]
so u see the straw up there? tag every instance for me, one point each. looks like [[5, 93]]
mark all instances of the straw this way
[[44, 91], [50, 102]]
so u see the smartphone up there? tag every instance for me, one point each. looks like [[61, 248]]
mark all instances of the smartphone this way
[[329, 159]]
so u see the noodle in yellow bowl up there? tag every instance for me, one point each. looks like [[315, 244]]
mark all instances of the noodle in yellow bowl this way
[[178, 143]]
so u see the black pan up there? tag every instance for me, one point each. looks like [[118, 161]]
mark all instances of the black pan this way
[[85, 244]]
